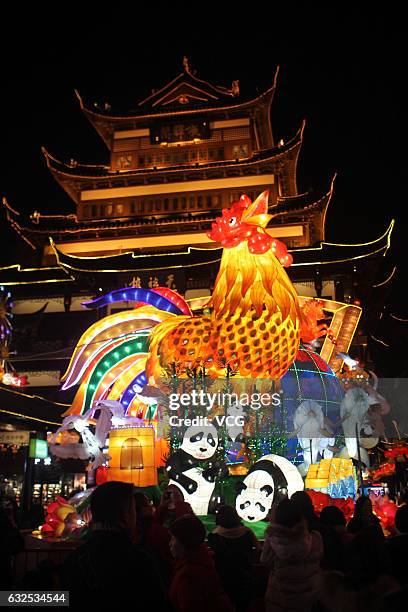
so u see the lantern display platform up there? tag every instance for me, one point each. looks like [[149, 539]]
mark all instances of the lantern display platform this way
[[259, 528]]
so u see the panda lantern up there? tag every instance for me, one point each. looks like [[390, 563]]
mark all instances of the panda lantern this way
[[189, 469], [269, 480]]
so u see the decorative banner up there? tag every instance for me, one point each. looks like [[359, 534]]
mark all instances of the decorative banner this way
[[42, 378], [172, 278], [14, 437], [177, 131]]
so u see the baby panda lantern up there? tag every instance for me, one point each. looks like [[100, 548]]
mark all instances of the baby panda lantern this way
[[269, 480], [132, 452], [191, 471]]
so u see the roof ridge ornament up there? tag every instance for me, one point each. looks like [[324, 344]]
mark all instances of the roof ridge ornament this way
[[186, 65], [235, 88]]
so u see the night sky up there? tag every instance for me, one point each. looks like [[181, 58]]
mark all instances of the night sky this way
[[340, 69]]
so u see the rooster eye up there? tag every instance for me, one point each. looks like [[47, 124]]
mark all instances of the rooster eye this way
[[232, 221]]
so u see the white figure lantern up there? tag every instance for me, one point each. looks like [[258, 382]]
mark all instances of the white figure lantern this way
[[185, 467], [270, 479], [309, 424]]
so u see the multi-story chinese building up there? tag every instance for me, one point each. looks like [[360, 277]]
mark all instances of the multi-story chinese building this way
[[184, 153]]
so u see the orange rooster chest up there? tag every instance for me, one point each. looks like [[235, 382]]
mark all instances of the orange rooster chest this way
[[261, 347]]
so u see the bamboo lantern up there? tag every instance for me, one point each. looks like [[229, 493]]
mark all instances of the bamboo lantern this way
[[132, 452]]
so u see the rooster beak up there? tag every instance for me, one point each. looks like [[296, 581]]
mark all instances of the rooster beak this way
[[257, 212], [260, 220]]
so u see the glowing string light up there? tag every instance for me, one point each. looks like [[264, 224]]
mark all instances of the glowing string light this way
[[387, 280], [398, 318], [379, 341]]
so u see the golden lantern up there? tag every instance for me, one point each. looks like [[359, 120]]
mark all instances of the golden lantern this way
[[132, 451]]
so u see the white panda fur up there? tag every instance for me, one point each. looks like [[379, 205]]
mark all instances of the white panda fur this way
[[260, 490], [184, 465]]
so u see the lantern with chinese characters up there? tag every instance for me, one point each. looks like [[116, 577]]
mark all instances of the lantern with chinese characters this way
[[132, 451]]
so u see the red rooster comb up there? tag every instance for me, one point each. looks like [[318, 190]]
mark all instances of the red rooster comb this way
[[247, 220]]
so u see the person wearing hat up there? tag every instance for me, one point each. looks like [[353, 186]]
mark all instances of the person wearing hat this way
[[195, 586]]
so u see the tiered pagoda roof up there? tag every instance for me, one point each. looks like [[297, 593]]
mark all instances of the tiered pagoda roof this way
[[186, 94], [36, 228], [40, 229], [75, 177]]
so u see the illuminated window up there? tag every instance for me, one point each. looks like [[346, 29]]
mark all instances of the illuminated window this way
[[124, 162], [240, 151], [131, 455], [109, 210], [120, 209]]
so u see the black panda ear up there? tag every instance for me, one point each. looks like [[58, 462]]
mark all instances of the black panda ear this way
[[267, 489], [240, 486]]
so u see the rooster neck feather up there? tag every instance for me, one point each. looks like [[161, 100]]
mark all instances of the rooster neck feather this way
[[239, 271]]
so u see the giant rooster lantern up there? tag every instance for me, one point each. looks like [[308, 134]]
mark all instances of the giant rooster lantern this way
[[254, 326]]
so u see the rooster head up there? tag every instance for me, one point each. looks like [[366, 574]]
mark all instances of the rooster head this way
[[246, 221]]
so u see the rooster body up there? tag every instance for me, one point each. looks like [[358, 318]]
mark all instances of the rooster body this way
[[253, 327]]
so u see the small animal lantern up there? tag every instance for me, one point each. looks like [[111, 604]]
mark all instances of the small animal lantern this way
[[132, 452]]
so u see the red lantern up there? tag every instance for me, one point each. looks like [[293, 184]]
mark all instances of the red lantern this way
[[101, 475]]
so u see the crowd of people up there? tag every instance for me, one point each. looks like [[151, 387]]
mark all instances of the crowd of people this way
[[162, 556]]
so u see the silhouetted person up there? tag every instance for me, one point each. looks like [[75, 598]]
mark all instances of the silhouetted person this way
[[293, 553], [36, 515], [304, 505], [172, 506], [108, 570], [234, 546], [366, 580], [152, 536], [333, 519], [195, 586], [11, 543], [364, 519], [398, 547]]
